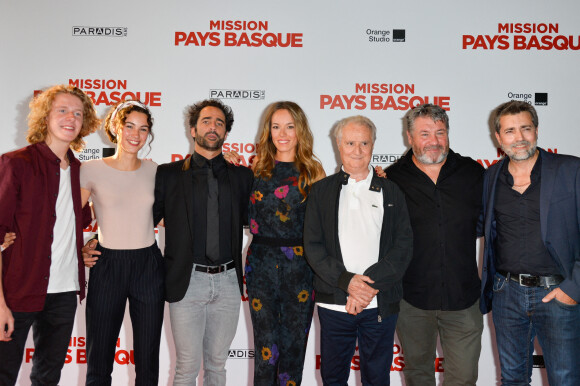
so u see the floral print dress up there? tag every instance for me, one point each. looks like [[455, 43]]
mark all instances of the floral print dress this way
[[278, 279]]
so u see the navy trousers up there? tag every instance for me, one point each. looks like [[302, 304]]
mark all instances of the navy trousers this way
[[136, 275], [338, 337]]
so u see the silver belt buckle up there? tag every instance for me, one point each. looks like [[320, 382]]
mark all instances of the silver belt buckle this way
[[528, 280]]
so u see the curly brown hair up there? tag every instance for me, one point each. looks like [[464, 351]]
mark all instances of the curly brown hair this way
[[194, 110], [40, 107], [306, 162], [121, 117]]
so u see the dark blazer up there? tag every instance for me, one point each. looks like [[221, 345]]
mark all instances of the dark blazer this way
[[322, 247], [174, 204], [559, 221]]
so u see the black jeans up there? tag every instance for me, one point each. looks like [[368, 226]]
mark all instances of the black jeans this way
[[51, 329]]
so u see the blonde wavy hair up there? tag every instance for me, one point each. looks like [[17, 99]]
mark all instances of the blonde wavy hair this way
[[307, 164], [41, 105]]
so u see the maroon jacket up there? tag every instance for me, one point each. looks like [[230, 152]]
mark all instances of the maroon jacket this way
[[29, 180]]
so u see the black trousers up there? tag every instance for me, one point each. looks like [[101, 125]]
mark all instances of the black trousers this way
[[136, 275], [51, 330]]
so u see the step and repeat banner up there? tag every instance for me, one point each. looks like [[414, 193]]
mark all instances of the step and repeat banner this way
[[334, 58]]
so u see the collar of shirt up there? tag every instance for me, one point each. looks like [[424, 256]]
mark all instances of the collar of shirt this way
[[354, 184], [534, 177], [218, 162], [47, 153], [447, 168]]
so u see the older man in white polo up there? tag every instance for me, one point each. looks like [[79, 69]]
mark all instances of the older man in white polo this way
[[358, 240]]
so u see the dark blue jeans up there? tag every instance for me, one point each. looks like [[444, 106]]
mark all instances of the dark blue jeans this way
[[338, 337], [519, 315]]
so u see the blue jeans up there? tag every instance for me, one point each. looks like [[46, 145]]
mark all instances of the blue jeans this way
[[204, 324], [519, 315], [339, 332]]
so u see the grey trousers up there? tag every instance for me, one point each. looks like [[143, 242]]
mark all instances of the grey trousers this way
[[460, 336], [204, 324]]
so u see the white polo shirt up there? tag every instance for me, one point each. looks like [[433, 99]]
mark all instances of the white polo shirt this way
[[360, 220]]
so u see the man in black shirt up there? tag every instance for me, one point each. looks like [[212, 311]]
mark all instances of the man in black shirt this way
[[441, 285], [531, 269], [203, 201]]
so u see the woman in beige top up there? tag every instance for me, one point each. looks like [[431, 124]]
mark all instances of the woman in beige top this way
[[129, 265]]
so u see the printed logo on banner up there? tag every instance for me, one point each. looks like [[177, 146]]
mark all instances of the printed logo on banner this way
[[397, 365], [237, 94], [486, 163], [76, 353], [398, 35], [385, 36], [246, 151], [94, 153], [384, 160], [541, 99], [381, 96], [523, 36], [115, 32], [238, 33], [538, 98], [109, 91], [108, 152], [241, 354]]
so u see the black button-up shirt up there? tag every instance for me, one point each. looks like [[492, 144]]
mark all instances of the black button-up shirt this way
[[200, 198], [519, 243], [443, 272]]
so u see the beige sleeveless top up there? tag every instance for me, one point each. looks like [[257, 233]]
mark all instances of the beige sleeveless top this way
[[123, 203]]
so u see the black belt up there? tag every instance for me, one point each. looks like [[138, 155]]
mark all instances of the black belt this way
[[216, 268], [526, 280], [276, 242]]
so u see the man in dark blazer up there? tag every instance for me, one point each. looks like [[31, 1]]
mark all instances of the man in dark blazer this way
[[531, 268], [358, 240], [203, 201]]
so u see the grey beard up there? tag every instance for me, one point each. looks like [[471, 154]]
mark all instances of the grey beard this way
[[425, 159], [519, 156]]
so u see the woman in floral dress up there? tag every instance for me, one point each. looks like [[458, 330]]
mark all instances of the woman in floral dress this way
[[279, 280]]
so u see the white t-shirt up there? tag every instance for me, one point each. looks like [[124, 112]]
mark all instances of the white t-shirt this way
[[64, 269]]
